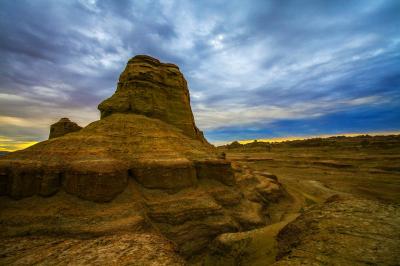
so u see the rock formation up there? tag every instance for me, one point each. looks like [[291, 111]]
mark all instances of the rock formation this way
[[154, 89], [342, 231], [62, 127], [143, 167]]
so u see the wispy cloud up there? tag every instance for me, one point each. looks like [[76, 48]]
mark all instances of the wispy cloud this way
[[228, 115], [259, 66], [11, 144]]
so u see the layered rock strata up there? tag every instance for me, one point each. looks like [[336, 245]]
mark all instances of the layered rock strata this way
[[145, 158], [154, 89]]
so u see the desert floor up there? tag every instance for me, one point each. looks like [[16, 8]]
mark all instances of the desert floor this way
[[310, 176]]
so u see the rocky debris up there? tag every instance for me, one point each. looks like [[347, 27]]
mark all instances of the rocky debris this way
[[343, 231], [62, 127], [143, 166]]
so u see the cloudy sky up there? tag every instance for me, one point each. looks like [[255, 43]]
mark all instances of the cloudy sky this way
[[256, 69]]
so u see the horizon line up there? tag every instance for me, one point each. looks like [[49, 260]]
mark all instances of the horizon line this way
[[304, 137], [19, 145]]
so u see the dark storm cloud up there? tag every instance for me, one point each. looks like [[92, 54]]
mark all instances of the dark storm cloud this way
[[264, 67]]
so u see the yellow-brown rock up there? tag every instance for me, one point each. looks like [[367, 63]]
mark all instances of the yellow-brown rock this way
[[154, 89], [62, 127], [144, 165], [98, 159]]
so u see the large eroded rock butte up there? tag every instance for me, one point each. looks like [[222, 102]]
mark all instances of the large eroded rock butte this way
[[143, 169], [154, 89]]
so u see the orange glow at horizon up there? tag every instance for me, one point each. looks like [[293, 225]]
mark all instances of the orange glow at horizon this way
[[289, 138], [8, 144]]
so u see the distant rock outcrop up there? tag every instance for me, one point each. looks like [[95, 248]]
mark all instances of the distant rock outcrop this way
[[62, 127], [144, 165]]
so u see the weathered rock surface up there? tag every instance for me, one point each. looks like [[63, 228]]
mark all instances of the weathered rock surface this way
[[144, 167], [95, 162], [62, 127], [116, 249], [343, 231], [154, 89]]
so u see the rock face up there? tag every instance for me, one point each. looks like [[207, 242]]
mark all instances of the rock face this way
[[62, 127], [145, 158], [95, 162], [343, 231], [154, 89], [146, 132]]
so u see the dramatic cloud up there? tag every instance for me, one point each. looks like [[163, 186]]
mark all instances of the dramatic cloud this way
[[256, 69]]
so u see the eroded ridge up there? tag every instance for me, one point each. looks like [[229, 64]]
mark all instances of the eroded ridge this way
[[144, 167]]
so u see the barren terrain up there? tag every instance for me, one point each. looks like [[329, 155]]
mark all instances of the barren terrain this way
[[343, 195], [142, 186]]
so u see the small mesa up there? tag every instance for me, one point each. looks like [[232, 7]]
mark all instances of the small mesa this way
[[62, 127]]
